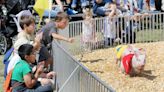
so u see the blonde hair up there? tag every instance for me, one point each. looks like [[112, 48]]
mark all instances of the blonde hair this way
[[87, 12]]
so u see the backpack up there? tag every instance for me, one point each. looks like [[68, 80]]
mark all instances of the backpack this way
[[6, 85], [6, 60]]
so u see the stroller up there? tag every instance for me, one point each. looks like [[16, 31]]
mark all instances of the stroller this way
[[8, 28]]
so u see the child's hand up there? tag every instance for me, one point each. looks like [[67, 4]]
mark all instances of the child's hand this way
[[50, 74], [39, 36], [40, 68], [45, 81], [37, 43], [71, 40], [37, 46]]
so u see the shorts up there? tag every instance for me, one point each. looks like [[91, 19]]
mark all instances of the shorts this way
[[44, 54]]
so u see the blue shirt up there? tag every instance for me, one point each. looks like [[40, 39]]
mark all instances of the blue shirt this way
[[96, 6]]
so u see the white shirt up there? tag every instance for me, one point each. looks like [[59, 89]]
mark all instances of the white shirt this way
[[110, 28], [23, 38]]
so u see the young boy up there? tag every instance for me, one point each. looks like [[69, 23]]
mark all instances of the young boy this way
[[24, 37], [50, 32], [23, 80]]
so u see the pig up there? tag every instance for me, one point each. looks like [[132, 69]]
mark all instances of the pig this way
[[131, 60]]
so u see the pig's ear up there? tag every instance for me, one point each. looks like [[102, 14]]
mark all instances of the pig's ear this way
[[142, 51]]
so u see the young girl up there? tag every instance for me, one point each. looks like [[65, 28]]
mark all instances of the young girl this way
[[109, 31], [23, 80], [88, 34]]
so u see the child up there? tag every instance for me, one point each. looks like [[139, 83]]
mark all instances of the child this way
[[131, 60], [50, 32], [17, 21], [109, 31], [26, 36], [88, 34], [23, 80]]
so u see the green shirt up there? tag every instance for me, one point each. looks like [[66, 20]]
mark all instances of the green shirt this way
[[21, 69]]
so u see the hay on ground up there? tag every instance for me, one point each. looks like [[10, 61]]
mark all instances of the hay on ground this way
[[102, 63]]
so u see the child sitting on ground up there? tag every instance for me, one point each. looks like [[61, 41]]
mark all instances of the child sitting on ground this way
[[23, 80], [131, 60]]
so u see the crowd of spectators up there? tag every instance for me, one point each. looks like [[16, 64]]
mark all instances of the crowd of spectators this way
[[109, 7]]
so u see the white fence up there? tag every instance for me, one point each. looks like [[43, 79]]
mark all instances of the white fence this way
[[72, 76], [106, 32]]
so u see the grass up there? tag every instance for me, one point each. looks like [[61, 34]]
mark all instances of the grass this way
[[150, 36], [1, 74]]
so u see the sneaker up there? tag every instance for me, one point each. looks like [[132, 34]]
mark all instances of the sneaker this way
[[71, 11], [152, 9]]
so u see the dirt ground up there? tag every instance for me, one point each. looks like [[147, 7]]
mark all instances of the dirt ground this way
[[102, 63]]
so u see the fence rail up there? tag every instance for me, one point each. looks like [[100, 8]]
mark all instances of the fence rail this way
[[110, 31], [72, 76]]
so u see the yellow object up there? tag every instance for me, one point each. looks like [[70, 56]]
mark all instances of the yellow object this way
[[40, 6], [119, 50]]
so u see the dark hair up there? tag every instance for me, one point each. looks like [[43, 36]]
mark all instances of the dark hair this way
[[26, 20], [25, 49], [60, 16]]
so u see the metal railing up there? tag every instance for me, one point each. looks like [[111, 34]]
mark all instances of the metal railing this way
[[118, 30], [72, 76]]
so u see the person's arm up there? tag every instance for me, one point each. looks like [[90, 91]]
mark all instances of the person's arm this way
[[60, 37], [60, 4], [50, 74], [113, 8], [29, 81], [37, 43], [147, 4]]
